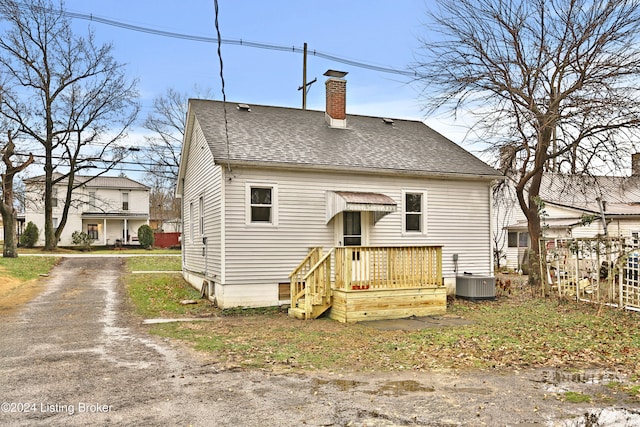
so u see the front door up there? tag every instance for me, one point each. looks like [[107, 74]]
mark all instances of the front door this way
[[352, 228], [352, 235]]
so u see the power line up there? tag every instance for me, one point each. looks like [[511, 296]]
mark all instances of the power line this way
[[142, 164], [240, 42]]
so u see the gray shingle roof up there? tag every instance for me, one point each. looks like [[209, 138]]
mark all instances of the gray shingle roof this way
[[295, 137], [121, 182], [621, 194]]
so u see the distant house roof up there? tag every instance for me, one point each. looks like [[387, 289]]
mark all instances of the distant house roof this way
[[620, 194], [120, 182], [289, 137]]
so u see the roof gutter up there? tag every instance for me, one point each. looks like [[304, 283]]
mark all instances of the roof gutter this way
[[359, 170]]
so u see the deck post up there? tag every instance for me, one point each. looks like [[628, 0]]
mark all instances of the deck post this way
[[347, 267]]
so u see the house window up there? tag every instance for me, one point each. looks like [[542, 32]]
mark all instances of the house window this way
[[518, 239], [414, 212], [191, 221], [261, 204], [125, 201], [54, 197], [635, 239], [201, 209], [92, 231], [92, 200]]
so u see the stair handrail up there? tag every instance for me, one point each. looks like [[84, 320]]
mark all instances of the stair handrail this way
[[311, 287], [296, 277], [318, 264]]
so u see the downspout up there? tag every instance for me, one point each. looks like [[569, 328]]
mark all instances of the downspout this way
[[182, 238], [491, 242], [601, 205]]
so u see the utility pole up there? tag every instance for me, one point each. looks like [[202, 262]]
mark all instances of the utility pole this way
[[304, 77], [304, 88]]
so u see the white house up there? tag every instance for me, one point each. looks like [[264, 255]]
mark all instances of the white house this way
[[574, 207], [108, 208], [260, 191]]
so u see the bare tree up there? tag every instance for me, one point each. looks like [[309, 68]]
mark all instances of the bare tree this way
[[161, 156], [65, 92], [556, 81], [167, 122], [7, 208], [164, 206]]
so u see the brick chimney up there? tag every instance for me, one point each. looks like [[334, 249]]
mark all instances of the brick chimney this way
[[635, 164], [336, 111]]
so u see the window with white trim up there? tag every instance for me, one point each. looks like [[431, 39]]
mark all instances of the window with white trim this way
[[125, 201], [201, 209], [517, 239], [414, 211], [92, 200], [262, 204], [54, 197], [191, 221]]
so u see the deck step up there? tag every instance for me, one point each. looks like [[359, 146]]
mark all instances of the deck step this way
[[296, 313], [316, 311]]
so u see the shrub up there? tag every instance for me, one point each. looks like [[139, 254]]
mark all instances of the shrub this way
[[145, 236], [82, 239], [30, 235]]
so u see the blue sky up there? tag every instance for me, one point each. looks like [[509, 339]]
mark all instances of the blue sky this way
[[378, 32], [381, 33]]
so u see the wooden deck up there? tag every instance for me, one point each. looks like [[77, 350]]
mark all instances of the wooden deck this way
[[363, 283]]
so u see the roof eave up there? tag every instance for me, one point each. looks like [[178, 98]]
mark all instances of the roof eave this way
[[359, 170], [184, 152]]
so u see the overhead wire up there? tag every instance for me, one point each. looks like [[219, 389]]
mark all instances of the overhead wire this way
[[238, 42], [224, 95], [220, 41]]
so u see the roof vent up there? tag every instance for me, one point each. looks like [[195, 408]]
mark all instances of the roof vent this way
[[244, 107], [388, 121]]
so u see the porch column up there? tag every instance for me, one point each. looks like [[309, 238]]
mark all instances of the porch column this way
[[104, 231], [124, 237]]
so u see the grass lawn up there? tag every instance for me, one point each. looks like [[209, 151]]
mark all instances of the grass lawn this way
[[26, 268], [155, 263], [514, 332]]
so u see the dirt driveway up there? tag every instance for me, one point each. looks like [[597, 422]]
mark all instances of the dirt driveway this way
[[76, 356]]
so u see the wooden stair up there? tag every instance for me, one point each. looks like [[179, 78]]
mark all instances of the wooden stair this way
[[299, 312], [311, 286]]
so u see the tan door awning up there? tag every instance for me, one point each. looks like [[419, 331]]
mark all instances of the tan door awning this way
[[340, 201]]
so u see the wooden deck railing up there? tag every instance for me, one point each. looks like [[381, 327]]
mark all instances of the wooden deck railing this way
[[371, 267], [362, 268]]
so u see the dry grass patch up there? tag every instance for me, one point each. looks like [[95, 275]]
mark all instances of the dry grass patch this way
[[19, 282], [516, 331]]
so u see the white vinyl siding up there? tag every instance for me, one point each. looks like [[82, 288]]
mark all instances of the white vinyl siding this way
[[203, 184], [457, 217]]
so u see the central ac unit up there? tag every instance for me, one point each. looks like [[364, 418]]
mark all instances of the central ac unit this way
[[476, 287]]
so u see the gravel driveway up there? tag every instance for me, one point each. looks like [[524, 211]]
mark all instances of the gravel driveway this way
[[76, 356]]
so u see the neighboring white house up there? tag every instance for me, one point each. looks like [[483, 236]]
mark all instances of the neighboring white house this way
[[574, 207], [108, 208], [274, 182]]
